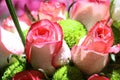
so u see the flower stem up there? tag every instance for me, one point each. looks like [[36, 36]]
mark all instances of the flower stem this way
[[15, 20]]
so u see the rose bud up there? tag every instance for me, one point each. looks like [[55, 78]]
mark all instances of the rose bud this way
[[29, 75], [88, 12], [54, 11], [45, 47], [97, 77], [91, 56]]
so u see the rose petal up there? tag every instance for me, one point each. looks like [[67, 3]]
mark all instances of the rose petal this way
[[89, 61], [53, 11], [100, 38], [63, 56], [115, 49], [10, 40]]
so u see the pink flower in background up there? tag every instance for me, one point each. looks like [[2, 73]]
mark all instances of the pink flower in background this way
[[33, 5], [67, 2], [19, 6], [91, 56], [8, 23], [97, 77], [89, 12], [29, 75], [3, 8], [53, 11], [45, 47]]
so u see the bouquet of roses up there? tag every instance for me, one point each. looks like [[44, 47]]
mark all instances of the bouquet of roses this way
[[61, 40]]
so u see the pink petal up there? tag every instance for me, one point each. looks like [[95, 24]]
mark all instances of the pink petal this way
[[3, 9], [9, 44], [4, 53], [89, 12], [89, 61], [12, 42], [62, 57], [53, 11], [42, 57], [100, 38], [115, 49], [24, 22]]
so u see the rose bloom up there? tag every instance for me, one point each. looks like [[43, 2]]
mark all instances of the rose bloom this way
[[97, 77], [91, 56], [53, 11], [88, 12], [10, 42], [45, 47], [29, 75]]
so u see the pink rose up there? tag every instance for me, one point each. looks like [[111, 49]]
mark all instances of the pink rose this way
[[24, 22], [97, 77], [45, 47], [92, 55], [89, 12], [53, 11], [10, 42], [29, 75]]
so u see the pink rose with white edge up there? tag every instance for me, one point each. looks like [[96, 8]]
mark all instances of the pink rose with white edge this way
[[92, 55], [45, 47], [88, 12], [10, 42], [53, 11]]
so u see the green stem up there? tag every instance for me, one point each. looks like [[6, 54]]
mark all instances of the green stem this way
[[15, 20]]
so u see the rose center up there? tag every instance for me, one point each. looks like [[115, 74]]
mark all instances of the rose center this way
[[42, 31], [102, 33], [99, 33]]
